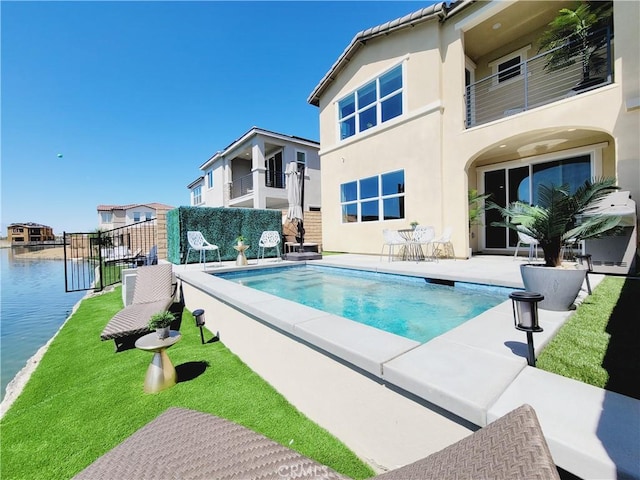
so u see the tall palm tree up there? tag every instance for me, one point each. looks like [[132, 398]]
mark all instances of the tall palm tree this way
[[577, 35], [560, 216]]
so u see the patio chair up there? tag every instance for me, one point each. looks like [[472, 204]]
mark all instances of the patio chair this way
[[442, 246], [269, 239], [153, 292], [423, 235], [392, 239], [197, 242], [200, 445], [524, 239]]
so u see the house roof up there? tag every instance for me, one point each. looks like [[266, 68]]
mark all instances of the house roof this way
[[252, 132], [28, 224], [438, 11], [153, 205]]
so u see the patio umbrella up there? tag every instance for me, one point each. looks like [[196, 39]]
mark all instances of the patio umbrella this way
[[295, 195], [294, 192]]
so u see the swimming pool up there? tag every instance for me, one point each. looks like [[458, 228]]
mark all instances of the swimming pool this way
[[413, 307]]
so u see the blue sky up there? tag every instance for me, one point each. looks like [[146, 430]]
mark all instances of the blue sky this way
[[137, 95]]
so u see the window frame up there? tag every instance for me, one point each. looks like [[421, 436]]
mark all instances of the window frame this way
[[378, 198], [209, 179], [196, 195], [377, 103], [520, 54]]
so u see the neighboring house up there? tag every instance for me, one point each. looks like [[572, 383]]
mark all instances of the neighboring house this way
[[419, 110], [250, 172], [29, 233], [114, 216]]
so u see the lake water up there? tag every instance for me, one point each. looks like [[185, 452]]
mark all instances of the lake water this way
[[33, 306]]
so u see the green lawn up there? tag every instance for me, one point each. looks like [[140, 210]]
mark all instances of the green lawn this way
[[84, 399], [599, 343]]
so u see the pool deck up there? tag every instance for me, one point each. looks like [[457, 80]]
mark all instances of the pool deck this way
[[475, 372]]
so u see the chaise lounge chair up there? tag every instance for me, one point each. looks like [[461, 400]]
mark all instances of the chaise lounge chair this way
[[153, 292], [186, 444]]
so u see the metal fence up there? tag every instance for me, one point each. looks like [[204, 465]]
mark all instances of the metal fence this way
[[244, 185], [532, 83], [94, 260]]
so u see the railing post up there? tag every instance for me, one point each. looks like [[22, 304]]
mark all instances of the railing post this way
[[525, 71]]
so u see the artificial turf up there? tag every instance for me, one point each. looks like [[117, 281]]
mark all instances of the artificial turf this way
[[83, 399]]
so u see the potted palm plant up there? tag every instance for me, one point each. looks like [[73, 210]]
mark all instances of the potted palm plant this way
[[559, 217], [161, 323], [578, 35], [240, 239]]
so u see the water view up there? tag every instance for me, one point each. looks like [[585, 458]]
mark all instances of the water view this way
[[33, 305]]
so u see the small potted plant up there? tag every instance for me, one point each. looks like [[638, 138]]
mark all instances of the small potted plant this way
[[413, 224], [241, 239], [160, 322]]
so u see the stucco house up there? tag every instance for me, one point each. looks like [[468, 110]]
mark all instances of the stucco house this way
[[115, 216], [419, 110], [250, 172], [29, 233]]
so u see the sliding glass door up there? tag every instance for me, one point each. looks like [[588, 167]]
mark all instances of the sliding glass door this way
[[520, 183]]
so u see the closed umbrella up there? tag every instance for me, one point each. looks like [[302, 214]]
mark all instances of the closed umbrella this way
[[294, 192]]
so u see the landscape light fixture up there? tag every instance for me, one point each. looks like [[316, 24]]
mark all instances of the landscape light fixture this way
[[525, 317], [199, 316], [586, 257]]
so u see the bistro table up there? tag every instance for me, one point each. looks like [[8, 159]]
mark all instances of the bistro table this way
[[241, 260], [161, 373]]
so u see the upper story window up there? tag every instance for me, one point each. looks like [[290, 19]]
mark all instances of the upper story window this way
[[148, 215], [210, 179], [197, 195], [301, 160], [106, 217], [136, 216], [510, 66], [376, 102], [380, 197]]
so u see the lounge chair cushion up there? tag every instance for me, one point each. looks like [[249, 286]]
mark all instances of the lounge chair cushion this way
[[186, 444]]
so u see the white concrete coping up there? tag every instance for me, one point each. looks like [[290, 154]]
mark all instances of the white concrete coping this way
[[461, 379], [591, 432]]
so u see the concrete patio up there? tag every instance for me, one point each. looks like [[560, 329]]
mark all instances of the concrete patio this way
[[394, 400]]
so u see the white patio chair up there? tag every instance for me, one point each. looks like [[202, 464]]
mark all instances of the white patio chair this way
[[423, 235], [269, 239], [443, 245], [392, 238], [524, 239], [197, 242]]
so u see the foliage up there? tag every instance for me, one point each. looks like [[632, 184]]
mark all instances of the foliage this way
[[560, 216], [219, 226], [82, 400], [476, 206], [161, 320], [577, 35], [241, 238]]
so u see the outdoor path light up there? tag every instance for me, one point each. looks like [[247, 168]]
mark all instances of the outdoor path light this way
[[587, 257], [199, 316], [525, 317]]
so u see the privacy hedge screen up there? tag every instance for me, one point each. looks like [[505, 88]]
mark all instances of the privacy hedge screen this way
[[219, 226]]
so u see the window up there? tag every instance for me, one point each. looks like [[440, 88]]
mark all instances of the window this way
[[197, 195], [374, 103], [136, 217], [148, 215], [510, 66], [373, 198], [106, 217], [301, 160], [210, 179]]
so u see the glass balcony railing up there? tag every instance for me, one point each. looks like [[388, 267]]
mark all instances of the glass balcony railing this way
[[535, 82]]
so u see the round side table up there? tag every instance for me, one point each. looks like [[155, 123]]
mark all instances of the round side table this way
[[161, 373], [242, 258]]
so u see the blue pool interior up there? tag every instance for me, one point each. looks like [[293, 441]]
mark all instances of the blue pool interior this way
[[413, 307]]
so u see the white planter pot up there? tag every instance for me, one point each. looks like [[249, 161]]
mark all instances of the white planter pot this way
[[559, 285]]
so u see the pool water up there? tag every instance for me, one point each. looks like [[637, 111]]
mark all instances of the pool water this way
[[413, 307]]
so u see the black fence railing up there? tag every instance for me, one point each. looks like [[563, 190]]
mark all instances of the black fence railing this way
[[244, 185], [541, 80], [94, 260]]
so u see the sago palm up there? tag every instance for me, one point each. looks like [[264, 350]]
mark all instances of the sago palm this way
[[560, 216]]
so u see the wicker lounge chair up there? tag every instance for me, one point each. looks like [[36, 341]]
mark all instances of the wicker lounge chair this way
[[186, 444], [153, 292]]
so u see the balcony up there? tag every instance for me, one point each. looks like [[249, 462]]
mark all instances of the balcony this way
[[532, 83], [244, 185]]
